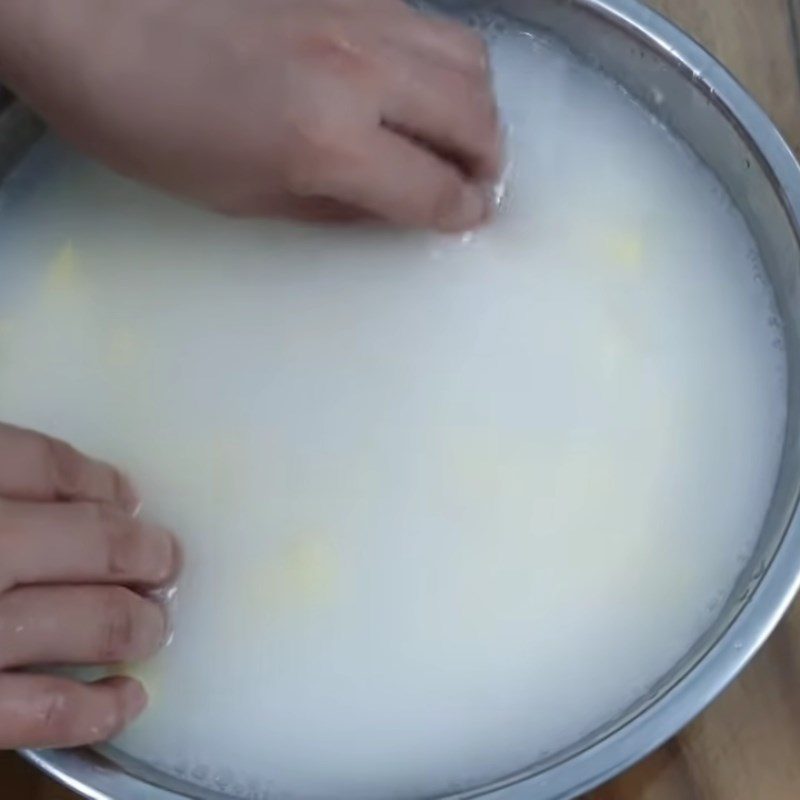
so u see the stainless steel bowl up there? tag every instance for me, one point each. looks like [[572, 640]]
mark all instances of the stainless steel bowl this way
[[701, 102]]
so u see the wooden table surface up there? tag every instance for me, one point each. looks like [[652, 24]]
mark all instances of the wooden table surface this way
[[747, 745]]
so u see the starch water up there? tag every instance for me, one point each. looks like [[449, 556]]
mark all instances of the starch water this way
[[448, 504]]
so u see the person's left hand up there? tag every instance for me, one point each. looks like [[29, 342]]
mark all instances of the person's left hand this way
[[75, 566]]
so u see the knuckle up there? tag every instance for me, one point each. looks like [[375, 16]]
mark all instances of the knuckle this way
[[467, 96], [483, 122], [334, 45], [65, 466], [56, 714], [479, 51], [118, 627], [489, 137], [489, 114], [475, 95], [113, 529], [474, 48], [10, 545], [106, 517], [470, 46], [315, 152], [7, 547]]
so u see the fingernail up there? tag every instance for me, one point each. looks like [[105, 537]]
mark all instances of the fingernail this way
[[151, 631], [134, 699], [158, 554], [469, 212], [127, 495]]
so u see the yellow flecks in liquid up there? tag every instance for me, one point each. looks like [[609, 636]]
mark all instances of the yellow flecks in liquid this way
[[124, 348], [66, 291], [62, 276], [310, 570], [303, 576], [625, 249], [148, 673]]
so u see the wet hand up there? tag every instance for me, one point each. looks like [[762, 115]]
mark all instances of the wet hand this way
[[73, 564], [316, 109]]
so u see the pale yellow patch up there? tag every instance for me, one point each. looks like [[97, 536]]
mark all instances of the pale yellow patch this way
[[62, 276], [124, 349], [7, 327], [310, 571], [304, 576], [625, 249], [148, 673]]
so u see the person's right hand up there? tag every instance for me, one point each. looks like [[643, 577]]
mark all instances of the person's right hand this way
[[301, 108], [72, 557]]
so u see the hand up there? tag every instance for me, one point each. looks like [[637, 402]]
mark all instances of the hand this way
[[71, 558], [304, 108]]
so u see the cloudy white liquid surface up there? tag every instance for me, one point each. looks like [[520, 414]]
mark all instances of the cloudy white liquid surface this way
[[447, 505]]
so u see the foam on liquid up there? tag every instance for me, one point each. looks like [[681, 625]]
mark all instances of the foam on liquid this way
[[447, 504]]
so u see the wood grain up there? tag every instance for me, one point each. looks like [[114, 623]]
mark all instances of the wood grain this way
[[747, 745], [754, 39], [18, 781]]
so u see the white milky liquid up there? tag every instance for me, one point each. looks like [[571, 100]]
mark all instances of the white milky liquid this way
[[447, 505]]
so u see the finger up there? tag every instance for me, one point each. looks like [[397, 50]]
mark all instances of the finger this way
[[316, 209], [37, 467], [77, 625], [453, 114], [44, 711], [81, 543], [401, 182], [441, 41]]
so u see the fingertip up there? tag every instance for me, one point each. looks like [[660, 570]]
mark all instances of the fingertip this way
[[174, 559], [489, 166], [154, 630], [461, 45], [470, 209], [132, 697], [135, 699], [126, 494], [157, 551], [497, 161]]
